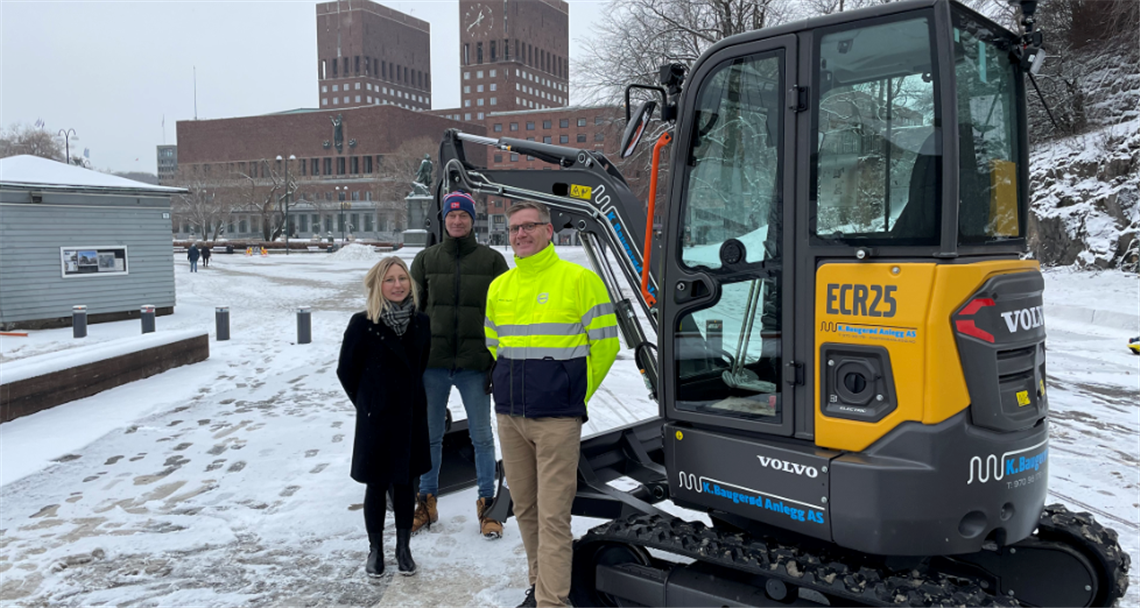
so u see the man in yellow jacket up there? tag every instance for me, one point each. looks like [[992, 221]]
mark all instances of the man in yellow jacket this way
[[551, 328]]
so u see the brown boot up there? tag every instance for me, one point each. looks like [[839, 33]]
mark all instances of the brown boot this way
[[426, 513], [490, 528]]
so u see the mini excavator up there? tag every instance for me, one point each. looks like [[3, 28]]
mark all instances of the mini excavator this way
[[847, 346]]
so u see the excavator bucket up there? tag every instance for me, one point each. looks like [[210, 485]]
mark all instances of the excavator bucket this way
[[457, 466]]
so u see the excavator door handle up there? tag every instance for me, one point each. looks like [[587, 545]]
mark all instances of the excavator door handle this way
[[687, 291]]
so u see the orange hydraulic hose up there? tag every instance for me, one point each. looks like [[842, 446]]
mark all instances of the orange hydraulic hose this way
[[662, 141]]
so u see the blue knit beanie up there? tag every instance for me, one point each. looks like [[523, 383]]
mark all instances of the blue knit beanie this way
[[459, 201]]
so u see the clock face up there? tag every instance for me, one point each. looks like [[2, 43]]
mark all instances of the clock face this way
[[478, 20]]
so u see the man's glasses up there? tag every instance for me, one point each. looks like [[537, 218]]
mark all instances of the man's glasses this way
[[527, 227]]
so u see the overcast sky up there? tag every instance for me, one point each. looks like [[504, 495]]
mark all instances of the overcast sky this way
[[113, 70]]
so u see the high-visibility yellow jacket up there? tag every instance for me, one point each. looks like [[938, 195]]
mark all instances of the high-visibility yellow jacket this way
[[551, 328]]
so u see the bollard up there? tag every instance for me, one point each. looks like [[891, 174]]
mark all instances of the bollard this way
[[304, 325], [79, 321], [222, 322], [146, 313]]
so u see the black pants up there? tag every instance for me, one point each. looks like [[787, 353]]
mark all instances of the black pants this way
[[375, 506]]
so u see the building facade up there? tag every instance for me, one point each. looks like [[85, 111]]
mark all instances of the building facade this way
[[167, 163], [514, 55], [369, 54], [347, 171]]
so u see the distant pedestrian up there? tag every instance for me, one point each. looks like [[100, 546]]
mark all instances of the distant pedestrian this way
[[382, 362], [206, 256], [452, 278], [193, 254]]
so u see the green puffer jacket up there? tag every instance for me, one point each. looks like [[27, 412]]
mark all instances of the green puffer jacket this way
[[452, 278]]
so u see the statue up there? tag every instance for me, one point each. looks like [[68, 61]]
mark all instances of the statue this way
[[421, 185], [338, 133]]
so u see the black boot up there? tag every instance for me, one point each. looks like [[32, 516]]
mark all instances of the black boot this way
[[375, 564], [403, 553]]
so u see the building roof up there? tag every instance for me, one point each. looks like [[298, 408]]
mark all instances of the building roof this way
[[43, 173]]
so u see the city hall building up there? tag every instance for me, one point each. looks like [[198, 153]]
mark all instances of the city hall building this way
[[346, 161]]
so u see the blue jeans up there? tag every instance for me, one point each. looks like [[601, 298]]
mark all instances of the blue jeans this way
[[438, 382], [193, 265]]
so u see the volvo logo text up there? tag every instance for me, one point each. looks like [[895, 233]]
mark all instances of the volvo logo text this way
[[789, 467], [1026, 318]]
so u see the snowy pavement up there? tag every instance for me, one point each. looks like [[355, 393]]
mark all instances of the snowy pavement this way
[[226, 482]]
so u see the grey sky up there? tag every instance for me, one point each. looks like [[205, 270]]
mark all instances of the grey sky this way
[[112, 70]]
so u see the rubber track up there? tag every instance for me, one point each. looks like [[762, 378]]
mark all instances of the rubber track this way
[[1096, 541], [835, 575], [826, 574]]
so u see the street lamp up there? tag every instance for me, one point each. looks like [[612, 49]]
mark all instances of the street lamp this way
[[67, 135], [341, 194], [291, 157]]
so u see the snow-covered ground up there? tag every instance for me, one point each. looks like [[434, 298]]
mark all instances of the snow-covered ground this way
[[226, 482]]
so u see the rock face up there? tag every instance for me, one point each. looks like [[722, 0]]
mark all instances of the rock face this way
[[1085, 199], [1084, 189]]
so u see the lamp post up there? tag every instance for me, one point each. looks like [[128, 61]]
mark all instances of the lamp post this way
[[67, 135], [341, 194], [291, 157]]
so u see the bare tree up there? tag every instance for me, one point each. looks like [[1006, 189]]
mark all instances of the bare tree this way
[[207, 207], [25, 139]]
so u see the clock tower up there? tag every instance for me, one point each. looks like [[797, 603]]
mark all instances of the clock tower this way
[[514, 55]]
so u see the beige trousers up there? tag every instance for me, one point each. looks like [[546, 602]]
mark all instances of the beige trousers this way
[[540, 460]]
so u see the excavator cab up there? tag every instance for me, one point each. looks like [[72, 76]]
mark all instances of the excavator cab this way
[[850, 348]]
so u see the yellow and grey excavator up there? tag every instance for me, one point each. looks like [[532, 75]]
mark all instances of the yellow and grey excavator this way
[[849, 355]]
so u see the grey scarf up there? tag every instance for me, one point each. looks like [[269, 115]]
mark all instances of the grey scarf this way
[[398, 315]]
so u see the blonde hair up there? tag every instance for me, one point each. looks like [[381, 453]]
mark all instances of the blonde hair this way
[[375, 300]]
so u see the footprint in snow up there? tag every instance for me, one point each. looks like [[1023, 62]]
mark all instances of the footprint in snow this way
[[311, 453], [338, 438], [289, 491], [319, 468], [235, 467], [113, 460]]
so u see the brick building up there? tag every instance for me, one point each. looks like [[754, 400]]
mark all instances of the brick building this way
[[369, 54], [374, 76], [514, 55], [348, 178]]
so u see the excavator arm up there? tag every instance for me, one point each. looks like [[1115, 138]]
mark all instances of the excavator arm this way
[[588, 195]]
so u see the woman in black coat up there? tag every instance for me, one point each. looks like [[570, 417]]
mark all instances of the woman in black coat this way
[[382, 361]]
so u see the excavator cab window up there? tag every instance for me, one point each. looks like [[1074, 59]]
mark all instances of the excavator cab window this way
[[728, 354], [988, 128], [877, 156]]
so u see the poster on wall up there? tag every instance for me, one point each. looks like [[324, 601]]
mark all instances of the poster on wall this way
[[93, 261]]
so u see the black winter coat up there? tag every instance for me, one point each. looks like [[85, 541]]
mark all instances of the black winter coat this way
[[383, 376], [453, 278]]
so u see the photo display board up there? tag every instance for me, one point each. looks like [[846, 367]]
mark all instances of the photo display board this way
[[88, 261]]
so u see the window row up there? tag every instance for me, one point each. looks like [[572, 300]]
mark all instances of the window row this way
[[493, 51], [339, 68], [563, 123]]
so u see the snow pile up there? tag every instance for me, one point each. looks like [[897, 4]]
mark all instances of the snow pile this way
[[1086, 199], [358, 252]]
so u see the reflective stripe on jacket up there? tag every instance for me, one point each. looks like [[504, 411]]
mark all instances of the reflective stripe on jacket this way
[[551, 328]]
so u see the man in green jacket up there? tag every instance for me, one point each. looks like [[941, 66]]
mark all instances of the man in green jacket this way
[[453, 278]]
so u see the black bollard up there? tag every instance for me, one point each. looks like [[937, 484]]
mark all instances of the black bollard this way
[[304, 325], [79, 321], [222, 322], [146, 313]]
